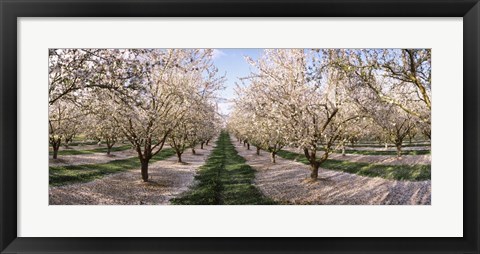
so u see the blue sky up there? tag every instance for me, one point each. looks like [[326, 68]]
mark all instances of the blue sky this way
[[231, 62]]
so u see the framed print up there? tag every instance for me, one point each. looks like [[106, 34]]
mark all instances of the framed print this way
[[224, 126]]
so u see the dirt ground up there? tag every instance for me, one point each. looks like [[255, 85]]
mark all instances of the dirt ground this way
[[288, 182], [93, 158], [168, 179]]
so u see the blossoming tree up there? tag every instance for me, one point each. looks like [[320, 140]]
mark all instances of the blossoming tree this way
[[306, 97]]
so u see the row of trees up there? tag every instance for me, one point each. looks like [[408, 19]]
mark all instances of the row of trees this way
[[150, 97], [317, 100]]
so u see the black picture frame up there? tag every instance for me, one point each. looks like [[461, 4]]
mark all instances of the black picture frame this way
[[10, 10]]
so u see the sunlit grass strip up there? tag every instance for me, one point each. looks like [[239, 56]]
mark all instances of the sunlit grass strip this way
[[392, 172], [389, 145], [90, 151], [224, 179], [366, 152], [62, 175], [80, 143]]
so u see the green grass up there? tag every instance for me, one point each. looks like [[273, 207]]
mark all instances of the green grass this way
[[224, 179], [392, 172], [82, 143], [62, 175], [366, 152], [90, 151], [389, 145]]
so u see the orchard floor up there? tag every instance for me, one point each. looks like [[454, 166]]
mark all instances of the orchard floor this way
[[167, 180], [287, 182], [94, 158]]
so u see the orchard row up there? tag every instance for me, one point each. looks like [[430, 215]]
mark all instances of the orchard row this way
[[150, 97], [317, 100]]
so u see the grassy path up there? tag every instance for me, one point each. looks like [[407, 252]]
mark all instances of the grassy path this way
[[62, 175], [224, 179], [391, 172]]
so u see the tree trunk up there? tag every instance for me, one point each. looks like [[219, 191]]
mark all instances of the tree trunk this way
[[248, 146], [258, 150], [208, 140], [55, 151], [144, 170], [68, 141], [399, 149], [273, 156], [386, 145], [343, 150], [179, 156], [314, 167], [110, 144], [193, 151], [201, 145]]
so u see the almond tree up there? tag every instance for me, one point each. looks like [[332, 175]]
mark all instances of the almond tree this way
[[308, 97], [166, 89], [387, 123], [401, 77], [208, 126], [77, 75], [392, 122], [63, 123], [395, 123], [184, 135], [358, 129], [188, 133], [256, 118], [147, 115], [268, 136], [240, 124], [202, 83], [102, 127], [73, 70]]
